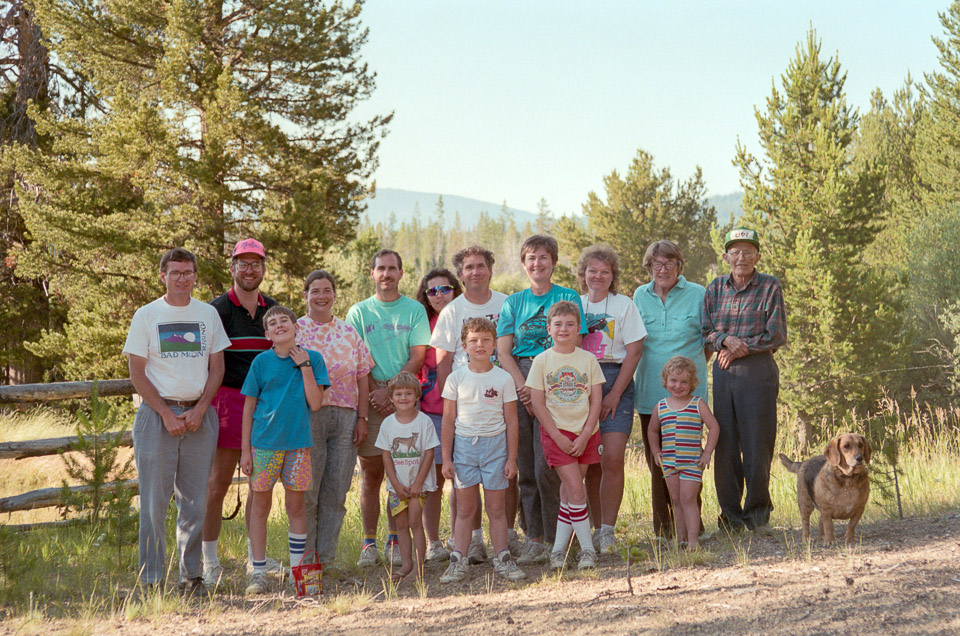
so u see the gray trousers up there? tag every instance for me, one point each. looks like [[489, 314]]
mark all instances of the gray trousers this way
[[334, 457], [172, 466], [745, 404], [539, 484]]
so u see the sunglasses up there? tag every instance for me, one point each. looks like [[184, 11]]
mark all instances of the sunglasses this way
[[439, 289]]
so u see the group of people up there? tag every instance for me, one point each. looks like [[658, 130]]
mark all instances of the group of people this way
[[530, 395]]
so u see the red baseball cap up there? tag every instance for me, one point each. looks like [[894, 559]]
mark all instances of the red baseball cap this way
[[249, 246]]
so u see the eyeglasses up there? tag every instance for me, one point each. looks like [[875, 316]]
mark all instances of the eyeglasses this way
[[735, 254], [178, 275], [439, 289], [668, 265], [253, 266]]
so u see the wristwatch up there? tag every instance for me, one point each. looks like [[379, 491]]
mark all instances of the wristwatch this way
[[305, 363]]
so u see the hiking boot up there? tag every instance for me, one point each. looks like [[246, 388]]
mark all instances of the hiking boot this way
[[505, 567], [587, 560], [605, 542], [557, 560], [456, 571], [259, 584], [212, 574], [193, 588], [392, 553], [436, 552], [369, 556], [477, 553], [514, 544], [533, 552]]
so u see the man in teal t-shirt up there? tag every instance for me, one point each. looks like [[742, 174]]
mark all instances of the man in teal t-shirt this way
[[522, 335], [396, 331]]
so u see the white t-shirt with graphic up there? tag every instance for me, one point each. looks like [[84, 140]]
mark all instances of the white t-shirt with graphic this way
[[480, 398], [407, 443], [612, 323], [177, 343], [446, 333]]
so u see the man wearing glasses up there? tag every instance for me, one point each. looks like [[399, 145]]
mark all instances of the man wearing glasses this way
[[744, 322], [175, 352], [241, 311]]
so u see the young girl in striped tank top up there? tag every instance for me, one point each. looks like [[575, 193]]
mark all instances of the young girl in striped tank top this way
[[675, 433]]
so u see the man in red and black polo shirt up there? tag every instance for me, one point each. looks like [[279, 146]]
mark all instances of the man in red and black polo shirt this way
[[241, 310]]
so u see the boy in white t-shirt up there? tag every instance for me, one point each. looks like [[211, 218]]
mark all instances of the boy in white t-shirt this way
[[407, 440], [480, 446]]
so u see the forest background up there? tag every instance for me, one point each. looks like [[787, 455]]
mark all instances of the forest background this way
[[127, 128]]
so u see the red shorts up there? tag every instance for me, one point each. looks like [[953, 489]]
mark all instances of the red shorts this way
[[228, 405], [556, 457]]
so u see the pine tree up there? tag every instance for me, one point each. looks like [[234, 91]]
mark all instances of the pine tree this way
[[816, 216], [209, 121]]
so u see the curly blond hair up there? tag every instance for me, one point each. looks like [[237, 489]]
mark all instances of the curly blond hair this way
[[678, 364]]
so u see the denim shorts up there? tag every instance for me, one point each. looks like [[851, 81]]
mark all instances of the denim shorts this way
[[438, 451], [621, 420], [480, 460]]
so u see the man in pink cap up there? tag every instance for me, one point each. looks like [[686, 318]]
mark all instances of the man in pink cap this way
[[241, 310]]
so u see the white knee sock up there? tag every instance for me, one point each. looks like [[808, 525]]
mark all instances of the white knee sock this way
[[564, 529], [209, 549], [298, 543], [580, 523]]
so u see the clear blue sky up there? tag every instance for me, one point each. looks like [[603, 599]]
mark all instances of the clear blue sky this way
[[519, 100]]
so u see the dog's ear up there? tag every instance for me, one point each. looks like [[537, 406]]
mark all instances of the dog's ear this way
[[832, 452], [867, 449]]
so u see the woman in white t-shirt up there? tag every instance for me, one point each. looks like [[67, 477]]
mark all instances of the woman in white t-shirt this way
[[615, 334]]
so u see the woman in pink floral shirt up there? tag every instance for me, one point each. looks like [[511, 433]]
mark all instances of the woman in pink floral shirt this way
[[341, 423]]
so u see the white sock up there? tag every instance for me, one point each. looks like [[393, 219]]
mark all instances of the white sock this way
[[209, 550], [606, 528], [564, 529], [477, 535], [249, 551], [298, 543], [580, 523]]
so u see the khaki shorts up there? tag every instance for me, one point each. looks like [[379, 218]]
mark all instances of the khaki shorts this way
[[374, 419]]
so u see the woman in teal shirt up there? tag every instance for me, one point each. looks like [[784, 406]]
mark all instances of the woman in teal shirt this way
[[670, 307]]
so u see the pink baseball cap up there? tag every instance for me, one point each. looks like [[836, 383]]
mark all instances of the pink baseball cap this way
[[249, 246]]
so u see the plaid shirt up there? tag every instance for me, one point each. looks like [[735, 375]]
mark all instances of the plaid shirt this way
[[754, 314]]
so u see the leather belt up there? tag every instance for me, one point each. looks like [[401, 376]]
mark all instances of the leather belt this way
[[181, 403]]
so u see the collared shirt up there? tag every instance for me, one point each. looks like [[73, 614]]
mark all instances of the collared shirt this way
[[754, 314], [673, 329], [247, 339]]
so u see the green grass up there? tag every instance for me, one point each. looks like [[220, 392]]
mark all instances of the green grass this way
[[76, 573]]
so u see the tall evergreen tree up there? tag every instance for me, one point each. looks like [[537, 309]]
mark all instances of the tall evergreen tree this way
[[816, 215], [211, 120]]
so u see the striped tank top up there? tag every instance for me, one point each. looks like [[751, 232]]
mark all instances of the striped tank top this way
[[680, 432]]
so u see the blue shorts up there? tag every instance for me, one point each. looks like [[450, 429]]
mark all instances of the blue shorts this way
[[480, 460], [438, 451], [621, 420]]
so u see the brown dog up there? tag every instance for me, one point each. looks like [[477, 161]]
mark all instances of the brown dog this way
[[835, 483]]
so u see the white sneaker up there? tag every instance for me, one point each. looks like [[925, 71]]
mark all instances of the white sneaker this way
[[533, 552], [605, 542], [436, 552], [258, 584], [477, 553], [514, 544], [456, 571], [273, 566], [212, 574], [392, 553], [369, 556], [507, 568], [557, 560], [587, 560]]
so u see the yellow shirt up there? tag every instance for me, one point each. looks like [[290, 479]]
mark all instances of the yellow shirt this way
[[566, 380]]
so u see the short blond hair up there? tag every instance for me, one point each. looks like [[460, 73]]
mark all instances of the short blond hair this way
[[604, 254], [404, 380], [478, 325], [679, 364], [563, 308]]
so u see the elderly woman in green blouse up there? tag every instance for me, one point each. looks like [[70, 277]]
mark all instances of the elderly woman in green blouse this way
[[670, 306]]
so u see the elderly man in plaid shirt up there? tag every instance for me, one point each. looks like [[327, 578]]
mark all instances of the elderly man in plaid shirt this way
[[744, 322]]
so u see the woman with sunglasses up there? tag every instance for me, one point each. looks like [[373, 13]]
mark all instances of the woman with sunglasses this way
[[436, 291]]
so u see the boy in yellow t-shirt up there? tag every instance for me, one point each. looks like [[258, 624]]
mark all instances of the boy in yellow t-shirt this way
[[565, 388]]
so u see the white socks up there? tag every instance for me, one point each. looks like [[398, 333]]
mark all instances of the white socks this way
[[209, 549]]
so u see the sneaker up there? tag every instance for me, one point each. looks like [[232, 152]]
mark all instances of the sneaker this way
[[193, 588], [557, 560], [369, 556], [272, 566], [514, 544], [477, 553], [507, 568], [587, 560], [258, 584], [533, 552], [605, 543], [456, 571], [436, 552], [391, 553], [212, 574]]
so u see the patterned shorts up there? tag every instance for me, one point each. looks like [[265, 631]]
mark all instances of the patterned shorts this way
[[293, 466]]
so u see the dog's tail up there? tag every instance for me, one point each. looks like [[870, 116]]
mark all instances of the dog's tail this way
[[789, 464]]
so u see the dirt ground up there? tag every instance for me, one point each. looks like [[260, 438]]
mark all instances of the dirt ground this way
[[902, 578]]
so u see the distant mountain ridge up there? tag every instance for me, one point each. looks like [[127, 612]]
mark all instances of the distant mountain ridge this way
[[403, 203]]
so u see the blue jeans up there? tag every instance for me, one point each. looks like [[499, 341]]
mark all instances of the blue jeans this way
[[334, 457], [172, 466]]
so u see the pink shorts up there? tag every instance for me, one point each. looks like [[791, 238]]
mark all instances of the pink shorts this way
[[292, 466], [228, 405], [556, 457]]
